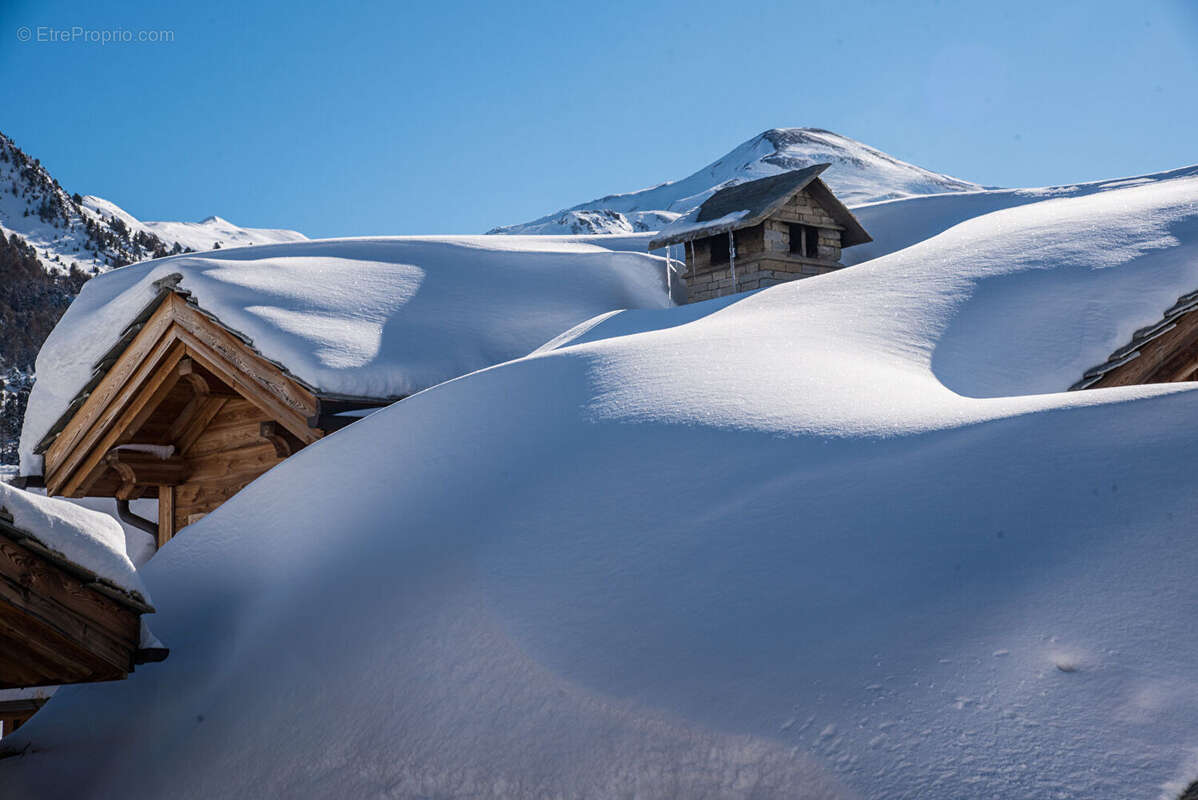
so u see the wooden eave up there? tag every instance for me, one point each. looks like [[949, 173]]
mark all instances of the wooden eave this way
[[59, 622], [852, 232], [1164, 352]]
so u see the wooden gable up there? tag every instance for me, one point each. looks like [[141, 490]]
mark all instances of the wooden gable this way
[[183, 383]]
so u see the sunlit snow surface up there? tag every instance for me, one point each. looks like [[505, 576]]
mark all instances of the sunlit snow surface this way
[[378, 317], [839, 538]]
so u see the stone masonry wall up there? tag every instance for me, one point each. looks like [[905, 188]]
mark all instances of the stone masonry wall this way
[[763, 256]]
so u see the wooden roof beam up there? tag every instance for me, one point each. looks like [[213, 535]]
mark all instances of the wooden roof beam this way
[[135, 364], [139, 470], [78, 469], [194, 419]]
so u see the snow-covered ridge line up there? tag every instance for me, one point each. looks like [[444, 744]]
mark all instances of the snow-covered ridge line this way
[[91, 234], [859, 174], [364, 317], [896, 224], [210, 233]]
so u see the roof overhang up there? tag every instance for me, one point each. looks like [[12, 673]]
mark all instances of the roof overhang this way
[[59, 622], [1164, 352], [717, 209]]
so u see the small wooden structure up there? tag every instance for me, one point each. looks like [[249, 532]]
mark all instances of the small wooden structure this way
[[1165, 352], [60, 623], [185, 410], [763, 232]]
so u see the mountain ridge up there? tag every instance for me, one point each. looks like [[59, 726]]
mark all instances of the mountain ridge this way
[[51, 242], [859, 174]]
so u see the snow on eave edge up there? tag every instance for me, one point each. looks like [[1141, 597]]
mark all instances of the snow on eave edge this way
[[167, 286], [22, 538], [686, 231], [1185, 304]]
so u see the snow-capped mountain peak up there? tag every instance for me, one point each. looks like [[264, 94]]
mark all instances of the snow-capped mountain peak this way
[[92, 234], [859, 174]]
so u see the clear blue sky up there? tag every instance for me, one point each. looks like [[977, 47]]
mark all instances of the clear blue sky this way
[[357, 118]]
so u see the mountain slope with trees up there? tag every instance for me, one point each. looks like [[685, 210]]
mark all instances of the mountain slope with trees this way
[[52, 241]]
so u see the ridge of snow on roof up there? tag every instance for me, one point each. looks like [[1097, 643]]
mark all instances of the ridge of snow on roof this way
[[741, 205], [88, 539], [372, 317], [843, 537]]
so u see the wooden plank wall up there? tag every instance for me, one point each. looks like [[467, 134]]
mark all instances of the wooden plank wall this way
[[229, 454], [54, 629]]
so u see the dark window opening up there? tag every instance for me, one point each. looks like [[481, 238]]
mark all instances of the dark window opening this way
[[804, 240], [719, 248]]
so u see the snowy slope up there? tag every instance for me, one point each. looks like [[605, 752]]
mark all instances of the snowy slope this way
[[896, 224], [199, 236], [823, 540], [859, 174], [66, 235], [93, 234], [367, 317]]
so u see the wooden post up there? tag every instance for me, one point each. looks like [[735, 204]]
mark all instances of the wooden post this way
[[166, 514]]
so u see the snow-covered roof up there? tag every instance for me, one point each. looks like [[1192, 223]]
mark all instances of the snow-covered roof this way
[[376, 318], [847, 536], [89, 541], [742, 205]]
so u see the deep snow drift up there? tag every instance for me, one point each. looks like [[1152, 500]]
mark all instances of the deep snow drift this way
[[859, 174], [901, 223], [827, 540], [370, 317]]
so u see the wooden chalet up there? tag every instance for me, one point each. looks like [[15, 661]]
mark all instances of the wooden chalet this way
[[763, 232], [60, 623], [1165, 352], [184, 410]]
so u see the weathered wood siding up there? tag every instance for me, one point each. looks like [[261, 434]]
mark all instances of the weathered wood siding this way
[[225, 457], [56, 629]]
